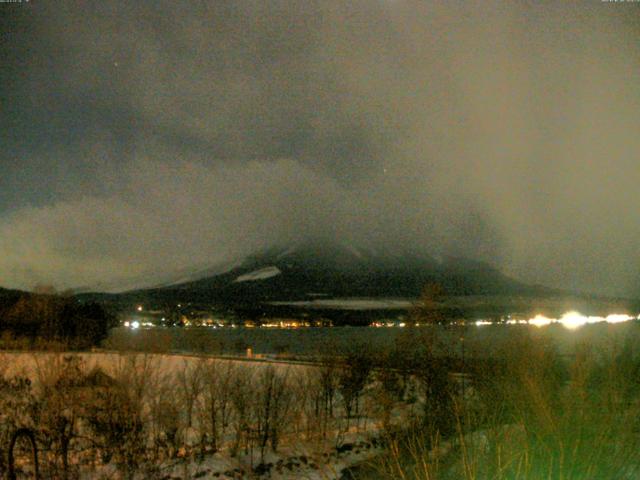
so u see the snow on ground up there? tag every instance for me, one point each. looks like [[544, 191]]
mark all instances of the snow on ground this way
[[296, 459], [351, 303], [289, 464], [261, 274], [33, 364]]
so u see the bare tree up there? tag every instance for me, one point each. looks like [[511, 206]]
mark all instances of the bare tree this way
[[63, 384], [116, 415], [271, 406], [190, 386], [304, 391], [165, 422], [329, 383], [353, 377], [241, 401], [219, 379]]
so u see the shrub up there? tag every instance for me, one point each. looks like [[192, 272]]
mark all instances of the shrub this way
[[534, 415]]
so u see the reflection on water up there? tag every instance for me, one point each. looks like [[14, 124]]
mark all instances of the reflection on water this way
[[563, 333]]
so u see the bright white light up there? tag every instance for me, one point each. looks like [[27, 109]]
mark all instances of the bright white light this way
[[139, 308], [482, 322], [126, 324], [135, 324], [573, 320], [617, 318], [540, 321]]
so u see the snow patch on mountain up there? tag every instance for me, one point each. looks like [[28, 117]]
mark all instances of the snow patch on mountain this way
[[287, 252], [352, 303], [261, 274], [203, 273]]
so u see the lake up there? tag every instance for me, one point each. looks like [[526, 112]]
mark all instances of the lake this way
[[477, 340]]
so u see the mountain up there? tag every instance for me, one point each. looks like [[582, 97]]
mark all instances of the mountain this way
[[329, 270], [154, 281]]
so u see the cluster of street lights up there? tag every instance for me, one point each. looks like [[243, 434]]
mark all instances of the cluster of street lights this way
[[570, 320]]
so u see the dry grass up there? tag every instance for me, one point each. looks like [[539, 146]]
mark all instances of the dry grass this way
[[532, 415]]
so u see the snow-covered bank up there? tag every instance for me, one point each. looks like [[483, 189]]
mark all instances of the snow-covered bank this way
[[174, 416], [29, 364]]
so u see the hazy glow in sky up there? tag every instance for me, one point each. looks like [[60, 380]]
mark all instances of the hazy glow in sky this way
[[139, 139]]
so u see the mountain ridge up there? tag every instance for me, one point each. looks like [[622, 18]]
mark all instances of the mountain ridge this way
[[293, 272]]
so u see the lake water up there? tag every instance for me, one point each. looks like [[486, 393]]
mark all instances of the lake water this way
[[477, 340]]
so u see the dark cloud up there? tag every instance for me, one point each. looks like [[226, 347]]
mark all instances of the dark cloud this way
[[141, 138]]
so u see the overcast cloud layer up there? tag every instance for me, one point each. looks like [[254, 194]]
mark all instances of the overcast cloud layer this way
[[137, 140]]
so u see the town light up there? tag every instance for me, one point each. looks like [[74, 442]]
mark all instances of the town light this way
[[540, 321]]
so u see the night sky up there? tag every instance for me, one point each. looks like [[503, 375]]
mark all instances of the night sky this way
[[141, 138]]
